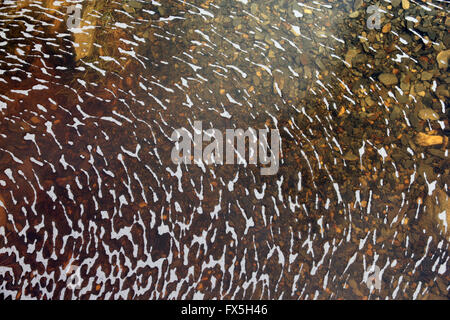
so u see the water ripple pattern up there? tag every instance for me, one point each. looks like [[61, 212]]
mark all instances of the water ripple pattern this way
[[91, 205]]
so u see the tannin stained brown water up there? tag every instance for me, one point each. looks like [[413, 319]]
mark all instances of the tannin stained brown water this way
[[92, 205]]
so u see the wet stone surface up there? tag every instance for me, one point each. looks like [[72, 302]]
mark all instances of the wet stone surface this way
[[88, 187]]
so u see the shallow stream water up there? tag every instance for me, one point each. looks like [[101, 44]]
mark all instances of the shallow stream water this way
[[92, 205]]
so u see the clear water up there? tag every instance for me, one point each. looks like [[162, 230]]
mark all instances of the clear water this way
[[93, 207]]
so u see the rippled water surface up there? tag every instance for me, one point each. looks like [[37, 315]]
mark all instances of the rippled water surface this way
[[92, 205]]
